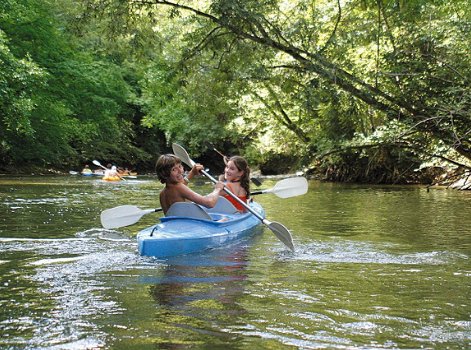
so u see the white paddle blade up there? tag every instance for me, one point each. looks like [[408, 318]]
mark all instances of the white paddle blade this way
[[282, 233], [181, 153], [291, 187], [97, 163], [121, 216]]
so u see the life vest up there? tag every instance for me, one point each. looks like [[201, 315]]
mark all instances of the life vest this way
[[236, 204]]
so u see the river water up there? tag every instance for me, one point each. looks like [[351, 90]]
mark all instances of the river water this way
[[375, 267]]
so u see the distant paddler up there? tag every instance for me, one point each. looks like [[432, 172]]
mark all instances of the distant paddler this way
[[86, 171], [111, 174]]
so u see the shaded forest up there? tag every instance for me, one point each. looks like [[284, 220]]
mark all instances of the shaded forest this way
[[360, 91]]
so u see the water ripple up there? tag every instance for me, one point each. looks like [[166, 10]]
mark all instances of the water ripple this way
[[361, 253]]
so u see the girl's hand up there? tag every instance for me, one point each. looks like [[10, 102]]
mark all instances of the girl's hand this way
[[219, 186]]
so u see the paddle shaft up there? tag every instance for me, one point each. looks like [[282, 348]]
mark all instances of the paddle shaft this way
[[281, 232], [259, 192], [99, 164], [221, 154], [183, 155], [120, 217], [226, 159]]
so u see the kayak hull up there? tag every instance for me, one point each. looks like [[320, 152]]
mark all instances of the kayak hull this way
[[177, 235], [111, 178]]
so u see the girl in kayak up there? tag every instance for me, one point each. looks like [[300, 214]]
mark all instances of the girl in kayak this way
[[237, 179], [171, 173]]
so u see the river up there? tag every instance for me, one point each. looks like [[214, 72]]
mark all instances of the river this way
[[375, 267]]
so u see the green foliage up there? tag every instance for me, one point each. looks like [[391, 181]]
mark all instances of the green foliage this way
[[181, 107], [359, 83], [19, 77], [61, 106]]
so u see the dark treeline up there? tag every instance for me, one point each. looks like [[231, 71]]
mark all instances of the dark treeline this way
[[368, 91]]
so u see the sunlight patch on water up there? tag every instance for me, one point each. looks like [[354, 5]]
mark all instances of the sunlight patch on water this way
[[78, 297], [361, 253], [32, 240], [104, 234], [449, 332], [72, 275], [36, 201], [88, 343], [56, 261], [292, 337], [296, 295], [368, 325], [43, 246]]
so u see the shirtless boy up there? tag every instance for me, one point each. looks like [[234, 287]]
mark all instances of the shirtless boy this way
[[171, 173]]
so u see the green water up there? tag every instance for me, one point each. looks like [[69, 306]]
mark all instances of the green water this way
[[374, 268]]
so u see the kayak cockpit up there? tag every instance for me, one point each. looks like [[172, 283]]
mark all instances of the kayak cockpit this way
[[221, 214], [192, 210]]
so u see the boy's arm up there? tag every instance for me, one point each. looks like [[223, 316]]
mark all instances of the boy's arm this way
[[208, 200]]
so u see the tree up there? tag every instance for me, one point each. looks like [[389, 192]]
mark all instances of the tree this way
[[62, 105], [355, 67]]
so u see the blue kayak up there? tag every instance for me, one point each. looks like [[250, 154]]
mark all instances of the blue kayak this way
[[189, 228]]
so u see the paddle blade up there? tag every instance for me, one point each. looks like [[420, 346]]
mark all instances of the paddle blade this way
[[255, 181], [282, 233], [121, 216], [291, 187], [181, 153]]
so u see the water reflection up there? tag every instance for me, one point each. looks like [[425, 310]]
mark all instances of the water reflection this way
[[219, 272], [374, 268]]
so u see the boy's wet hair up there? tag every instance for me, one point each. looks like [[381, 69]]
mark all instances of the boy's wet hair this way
[[164, 165]]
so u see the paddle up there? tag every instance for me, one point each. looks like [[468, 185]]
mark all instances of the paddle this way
[[97, 163], [123, 215], [126, 215], [281, 232], [255, 181], [290, 187]]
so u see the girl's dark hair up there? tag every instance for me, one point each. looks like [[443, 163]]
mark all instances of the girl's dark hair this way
[[242, 165], [164, 165]]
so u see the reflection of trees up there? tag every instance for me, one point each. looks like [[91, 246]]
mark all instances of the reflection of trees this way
[[169, 289], [217, 276], [198, 296]]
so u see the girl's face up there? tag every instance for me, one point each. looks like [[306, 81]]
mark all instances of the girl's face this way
[[176, 174], [231, 172]]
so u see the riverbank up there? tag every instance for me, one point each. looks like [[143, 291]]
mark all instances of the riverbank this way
[[459, 179], [31, 171]]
